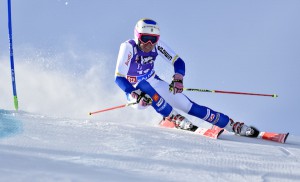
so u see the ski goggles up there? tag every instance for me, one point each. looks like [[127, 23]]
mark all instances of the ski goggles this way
[[145, 38]]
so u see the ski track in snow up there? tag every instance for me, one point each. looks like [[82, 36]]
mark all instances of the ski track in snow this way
[[39, 148]]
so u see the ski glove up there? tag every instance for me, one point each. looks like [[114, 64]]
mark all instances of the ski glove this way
[[141, 98], [177, 84]]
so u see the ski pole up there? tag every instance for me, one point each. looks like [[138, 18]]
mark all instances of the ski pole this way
[[229, 92], [12, 56], [112, 108]]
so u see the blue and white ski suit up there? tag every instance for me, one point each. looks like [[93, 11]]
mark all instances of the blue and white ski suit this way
[[135, 70]]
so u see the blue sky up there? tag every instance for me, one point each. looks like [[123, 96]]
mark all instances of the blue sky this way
[[247, 46]]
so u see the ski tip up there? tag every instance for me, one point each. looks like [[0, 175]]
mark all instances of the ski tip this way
[[285, 137], [276, 137]]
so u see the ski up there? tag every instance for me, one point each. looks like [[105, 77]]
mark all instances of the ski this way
[[271, 136], [213, 133], [216, 131], [275, 137]]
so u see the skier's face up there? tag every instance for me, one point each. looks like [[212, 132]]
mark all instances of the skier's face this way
[[147, 47], [147, 41]]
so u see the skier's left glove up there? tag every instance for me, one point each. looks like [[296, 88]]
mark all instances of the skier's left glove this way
[[141, 98], [177, 84]]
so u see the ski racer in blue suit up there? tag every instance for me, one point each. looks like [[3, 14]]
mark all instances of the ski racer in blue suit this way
[[136, 76]]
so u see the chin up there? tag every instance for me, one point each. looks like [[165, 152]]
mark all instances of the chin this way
[[148, 50]]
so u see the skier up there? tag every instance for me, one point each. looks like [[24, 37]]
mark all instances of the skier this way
[[136, 76]]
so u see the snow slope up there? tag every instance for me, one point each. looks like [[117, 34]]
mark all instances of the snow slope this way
[[39, 148]]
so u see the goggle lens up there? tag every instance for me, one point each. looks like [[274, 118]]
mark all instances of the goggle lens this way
[[146, 38]]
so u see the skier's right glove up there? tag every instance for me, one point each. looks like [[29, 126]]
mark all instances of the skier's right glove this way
[[141, 98]]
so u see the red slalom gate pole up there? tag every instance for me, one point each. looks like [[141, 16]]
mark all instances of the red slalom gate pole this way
[[112, 108], [229, 92]]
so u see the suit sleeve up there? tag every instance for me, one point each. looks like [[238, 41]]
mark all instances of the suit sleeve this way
[[170, 56], [122, 67]]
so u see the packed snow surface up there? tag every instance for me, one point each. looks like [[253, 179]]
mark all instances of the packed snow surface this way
[[36, 147]]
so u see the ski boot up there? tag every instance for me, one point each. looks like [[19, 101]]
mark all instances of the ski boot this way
[[241, 129], [181, 122]]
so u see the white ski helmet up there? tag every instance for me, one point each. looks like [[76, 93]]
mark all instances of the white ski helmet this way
[[146, 26]]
